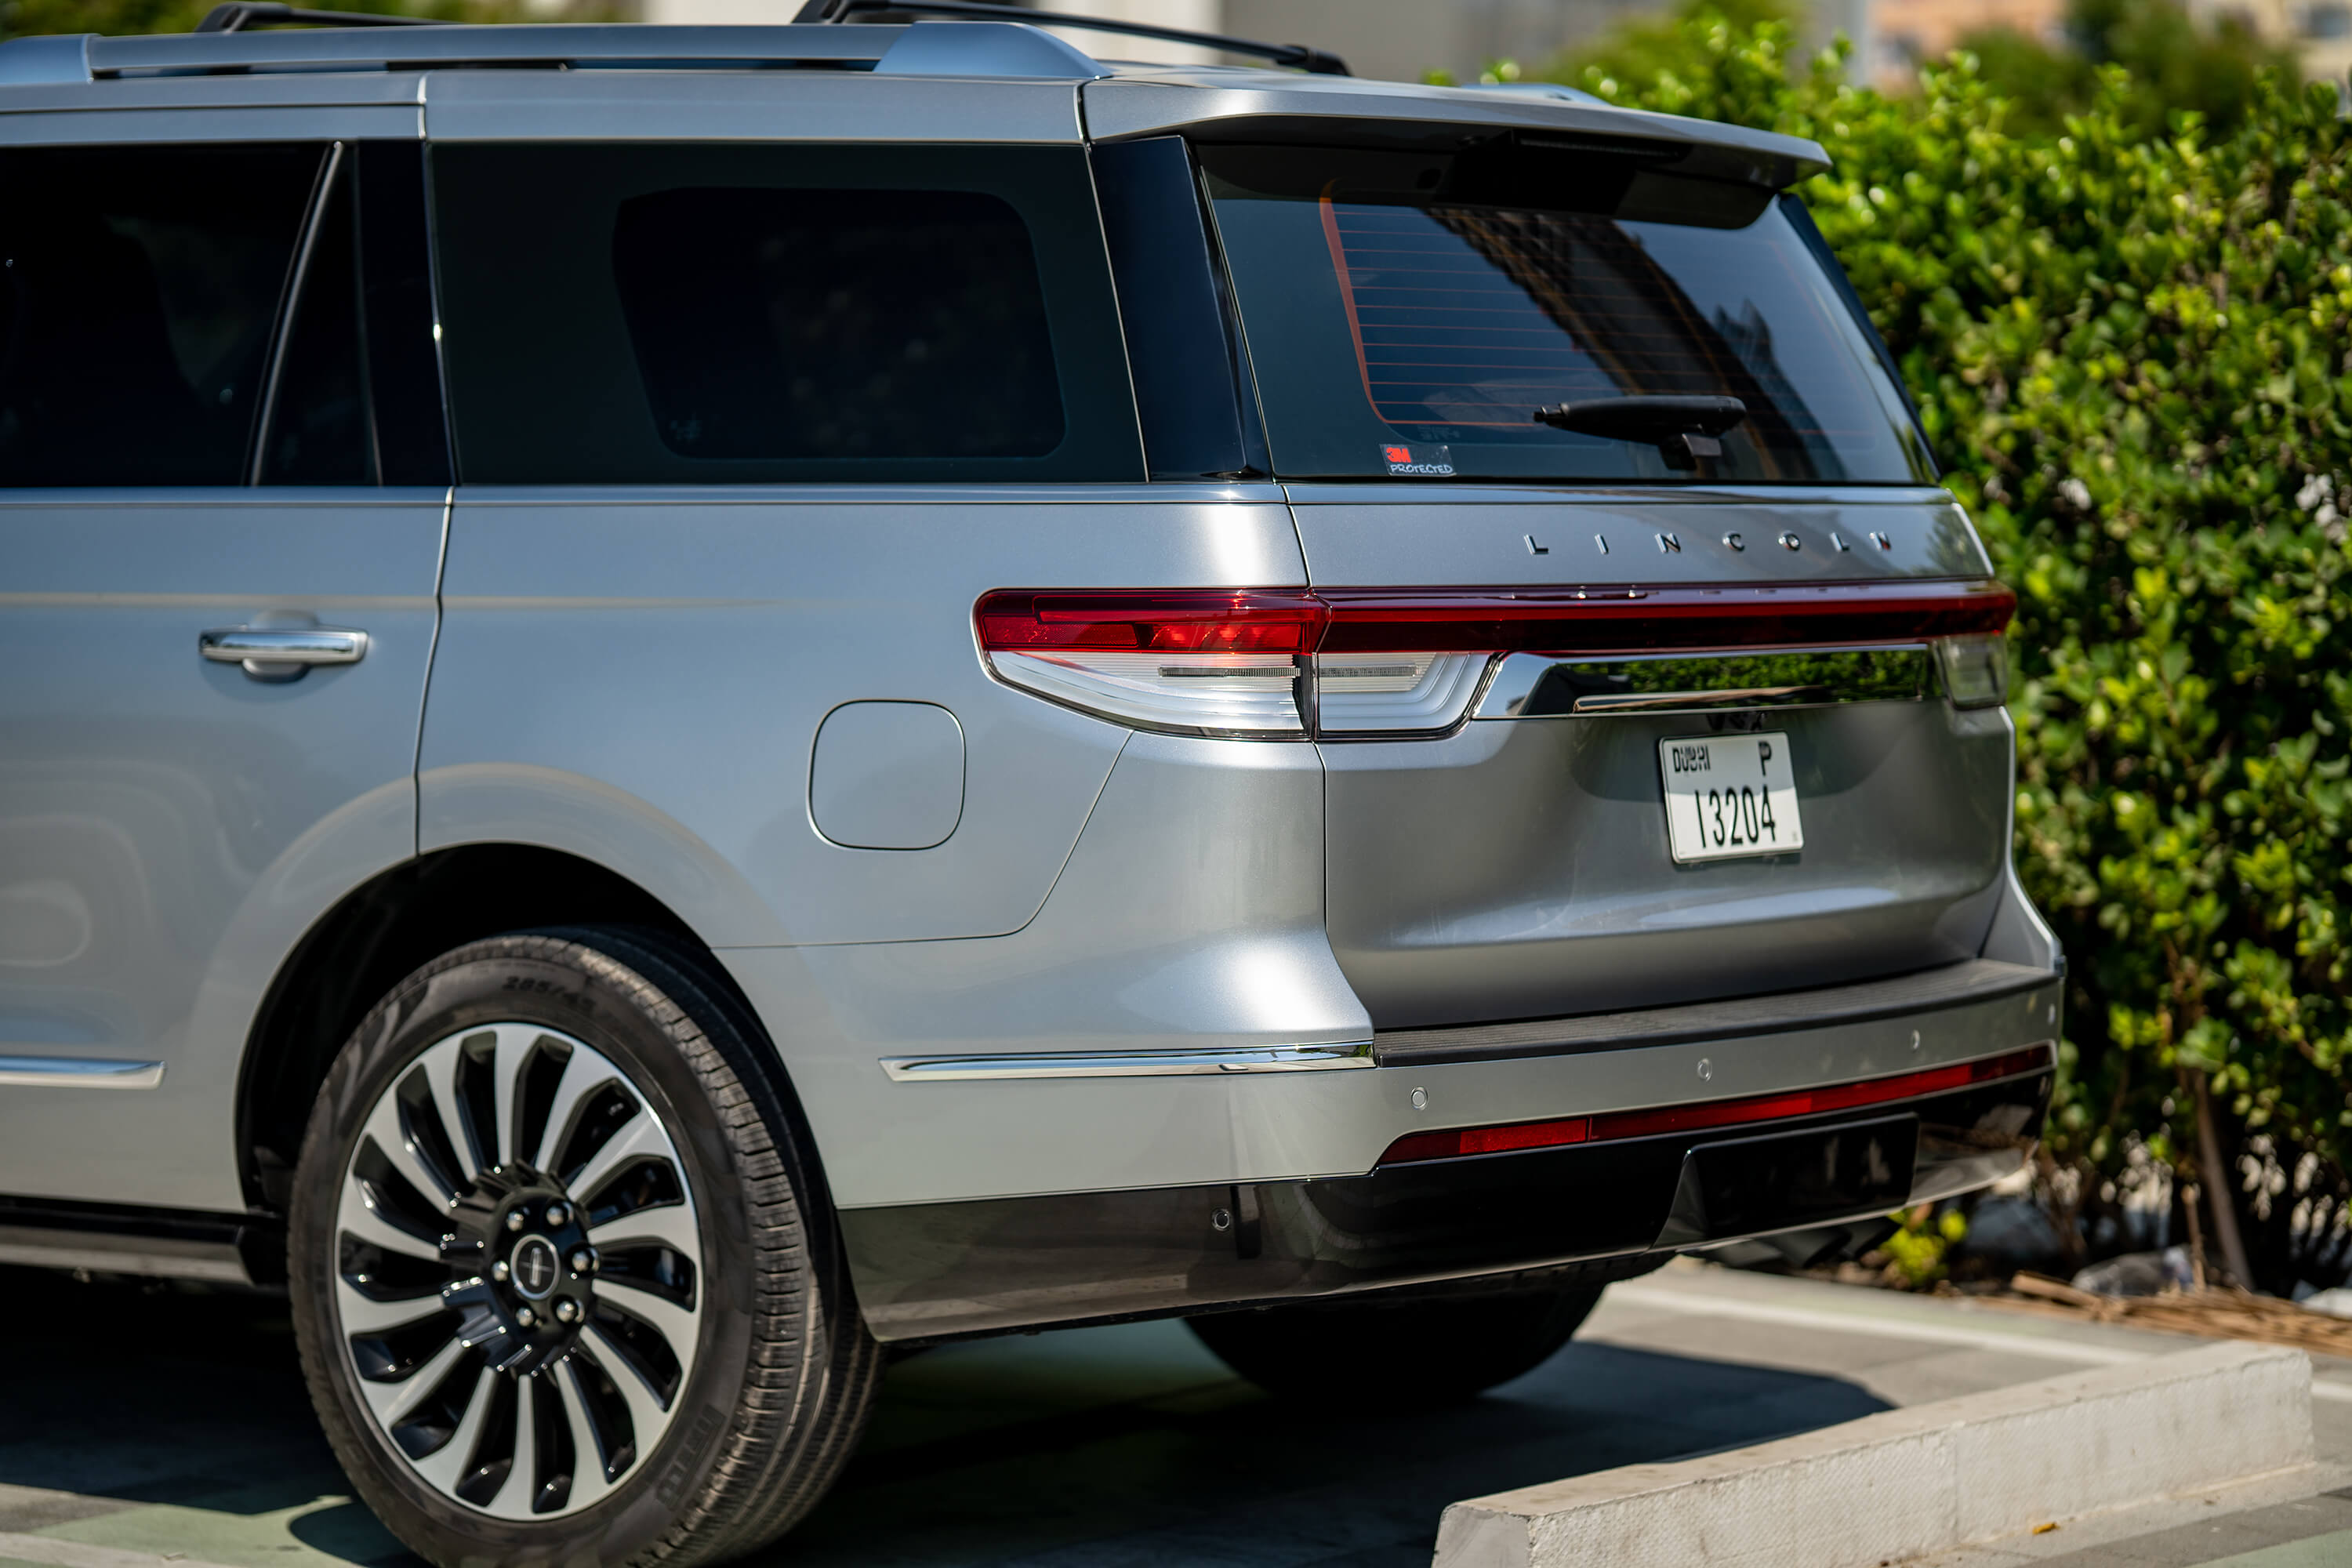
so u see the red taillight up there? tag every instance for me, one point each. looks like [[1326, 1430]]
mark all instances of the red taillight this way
[[1222, 661], [1457, 1142], [1651, 620], [1472, 620], [1713, 1113], [1241, 620]]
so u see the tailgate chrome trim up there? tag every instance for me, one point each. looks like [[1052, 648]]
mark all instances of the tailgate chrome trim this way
[[1933, 990], [1540, 685]]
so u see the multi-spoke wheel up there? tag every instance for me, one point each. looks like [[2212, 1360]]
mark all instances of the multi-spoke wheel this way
[[516, 1261], [560, 1288]]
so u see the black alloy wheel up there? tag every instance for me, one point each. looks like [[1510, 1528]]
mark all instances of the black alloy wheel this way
[[565, 1283]]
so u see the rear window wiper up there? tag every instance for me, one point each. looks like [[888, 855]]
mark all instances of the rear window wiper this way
[[1684, 429]]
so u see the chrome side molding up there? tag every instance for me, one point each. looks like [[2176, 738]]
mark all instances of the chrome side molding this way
[[1540, 685], [80, 1072], [1338, 1054]]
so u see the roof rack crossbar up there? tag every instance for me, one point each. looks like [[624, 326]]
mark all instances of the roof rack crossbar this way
[[242, 16], [1313, 60]]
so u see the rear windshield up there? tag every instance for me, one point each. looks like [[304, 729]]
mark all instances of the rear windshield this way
[[1408, 314]]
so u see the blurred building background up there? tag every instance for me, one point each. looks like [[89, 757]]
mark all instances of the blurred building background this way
[[1406, 39], [1397, 40]]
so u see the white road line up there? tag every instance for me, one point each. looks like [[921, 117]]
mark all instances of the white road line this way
[[80, 1555], [1708, 1305]]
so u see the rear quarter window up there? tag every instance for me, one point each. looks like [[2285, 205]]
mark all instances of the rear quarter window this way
[[1408, 313], [733, 314]]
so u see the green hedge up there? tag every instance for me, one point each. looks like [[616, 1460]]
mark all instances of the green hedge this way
[[2132, 353]]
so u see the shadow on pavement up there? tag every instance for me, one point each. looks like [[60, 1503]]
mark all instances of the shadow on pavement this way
[[128, 1415]]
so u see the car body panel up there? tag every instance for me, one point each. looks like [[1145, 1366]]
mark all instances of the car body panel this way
[[1188, 916], [729, 624], [170, 826], [1520, 869]]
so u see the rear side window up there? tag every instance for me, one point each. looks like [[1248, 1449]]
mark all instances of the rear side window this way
[[139, 294], [733, 314], [1408, 314]]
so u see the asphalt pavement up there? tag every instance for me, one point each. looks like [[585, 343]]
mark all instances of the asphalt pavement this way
[[142, 1424]]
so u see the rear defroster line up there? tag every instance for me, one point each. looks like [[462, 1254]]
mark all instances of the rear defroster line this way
[[1746, 1113]]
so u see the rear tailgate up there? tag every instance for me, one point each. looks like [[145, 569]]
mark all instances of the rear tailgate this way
[[1521, 866]]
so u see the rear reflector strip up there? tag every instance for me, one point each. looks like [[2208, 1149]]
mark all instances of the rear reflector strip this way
[[1709, 1114]]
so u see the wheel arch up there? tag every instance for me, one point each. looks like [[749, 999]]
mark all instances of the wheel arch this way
[[385, 929]]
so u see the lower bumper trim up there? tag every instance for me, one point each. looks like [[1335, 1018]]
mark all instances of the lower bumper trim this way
[[932, 1271]]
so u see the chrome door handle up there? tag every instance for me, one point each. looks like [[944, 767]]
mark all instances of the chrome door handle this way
[[283, 653]]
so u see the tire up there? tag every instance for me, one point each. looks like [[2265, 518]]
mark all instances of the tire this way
[[1424, 1351], [564, 1278]]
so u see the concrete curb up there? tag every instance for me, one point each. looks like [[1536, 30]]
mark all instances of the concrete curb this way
[[1910, 1482]]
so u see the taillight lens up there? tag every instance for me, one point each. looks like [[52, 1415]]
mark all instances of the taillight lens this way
[[1400, 693], [1199, 663], [1253, 663]]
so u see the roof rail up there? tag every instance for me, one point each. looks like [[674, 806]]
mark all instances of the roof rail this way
[[239, 16], [936, 49], [1313, 60]]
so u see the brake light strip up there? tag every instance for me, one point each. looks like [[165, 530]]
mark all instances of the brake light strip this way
[[1747, 1110], [1564, 621]]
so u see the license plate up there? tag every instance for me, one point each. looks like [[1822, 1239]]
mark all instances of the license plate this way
[[1728, 795]]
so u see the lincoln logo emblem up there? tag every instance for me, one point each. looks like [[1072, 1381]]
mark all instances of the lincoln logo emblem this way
[[534, 1266]]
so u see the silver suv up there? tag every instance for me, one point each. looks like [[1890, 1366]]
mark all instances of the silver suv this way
[[682, 705]]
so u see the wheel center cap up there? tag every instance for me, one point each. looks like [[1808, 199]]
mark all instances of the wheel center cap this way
[[534, 1266]]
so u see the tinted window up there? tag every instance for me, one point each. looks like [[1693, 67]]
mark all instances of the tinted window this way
[[141, 292], [319, 429], [1181, 346], [730, 313], [1408, 314], [817, 324], [411, 433]]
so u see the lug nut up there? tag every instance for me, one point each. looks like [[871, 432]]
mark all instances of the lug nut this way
[[525, 1315], [567, 1310], [514, 1220], [584, 1261], [558, 1214], [499, 1271]]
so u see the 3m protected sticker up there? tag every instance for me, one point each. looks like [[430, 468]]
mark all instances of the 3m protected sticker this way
[[1434, 461]]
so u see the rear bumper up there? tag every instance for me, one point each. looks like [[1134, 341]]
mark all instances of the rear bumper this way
[[941, 1270]]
